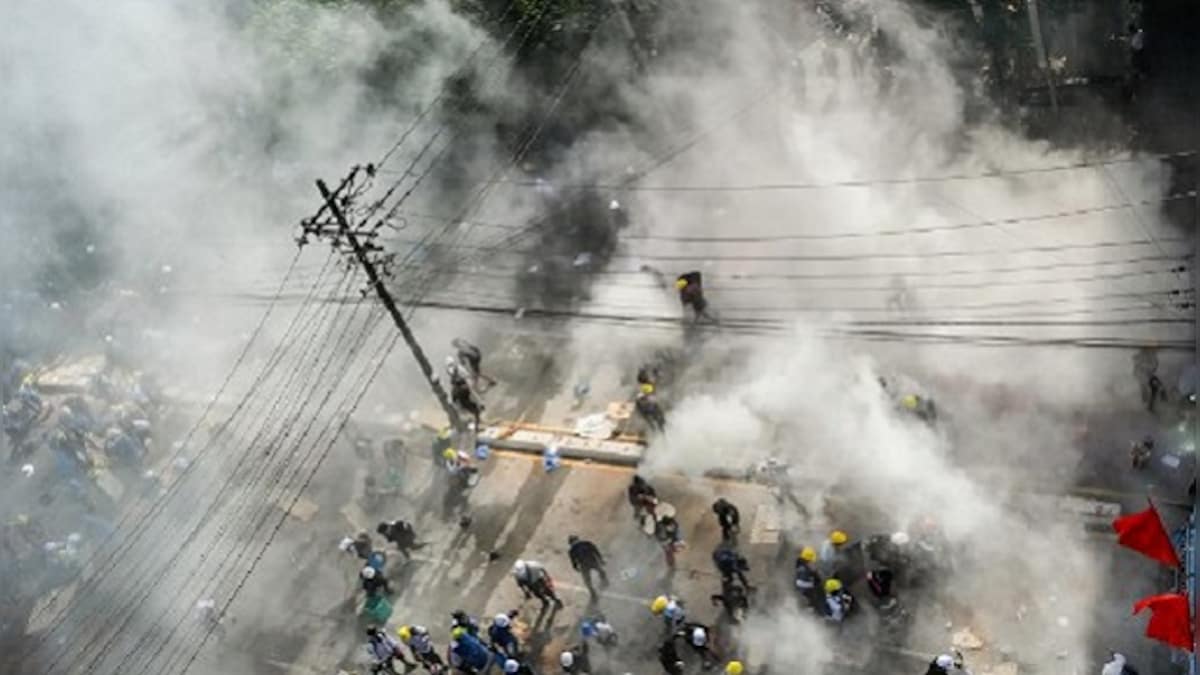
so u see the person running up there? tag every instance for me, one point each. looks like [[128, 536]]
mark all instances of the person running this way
[[728, 518], [668, 535], [643, 499], [730, 563], [401, 534], [586, 558], [733, 598], [668, 656], [534, 581]]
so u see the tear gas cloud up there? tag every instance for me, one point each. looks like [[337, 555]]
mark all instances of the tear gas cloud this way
[[841, 111], [187, 138]]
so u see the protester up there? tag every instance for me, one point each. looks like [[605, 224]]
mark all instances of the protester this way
[[373, 581], [417, 639], [809, 581], [733, 598], [728, 518], [501, 636], [402, 535], [668, 656], [459, 618], [534, 581], [643, 499], [586, 558], [730, 563], [670, 538], [833, 558], [838, 601], [384, 648]]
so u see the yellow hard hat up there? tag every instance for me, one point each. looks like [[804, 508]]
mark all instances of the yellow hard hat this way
[[807, 554], [838, 537], [404, 632], [832, 585], [659, 605], [449, 453], [445, 433], [910, 401], [646, 388], [459, 631], [681, 284], [734, 668]]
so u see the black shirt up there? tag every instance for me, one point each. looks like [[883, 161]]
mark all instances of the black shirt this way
[[584, 554]]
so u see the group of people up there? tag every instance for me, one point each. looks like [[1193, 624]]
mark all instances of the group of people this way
[[472, 649]]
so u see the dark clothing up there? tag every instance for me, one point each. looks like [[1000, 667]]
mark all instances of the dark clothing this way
[[542, 589], [399, 533], [730, 563], [460, 618], [470, 356], [668, 656], [649, 409], [584, 554], [733, 598], [375, 585], [880, 582], [692, 295], [586, 558], [503, 640], [362, 546], [728, 517], [465, 399], [646, 375], [808, 583], [638, 491], [1155, 386]]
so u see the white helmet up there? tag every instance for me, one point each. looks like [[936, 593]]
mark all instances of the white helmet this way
[[567, 659], [900, 539], [501, 620], [944, 661], [511, 666], [368, 572], [699, 637], [520, 568]]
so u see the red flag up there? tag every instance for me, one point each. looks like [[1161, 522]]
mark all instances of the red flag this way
[[1169, 621], [1144, 532]]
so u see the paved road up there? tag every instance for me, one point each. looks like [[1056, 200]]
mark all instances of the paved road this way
[[297, 614]]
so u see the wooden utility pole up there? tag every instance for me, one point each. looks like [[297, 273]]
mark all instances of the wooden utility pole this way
[[347, 234]]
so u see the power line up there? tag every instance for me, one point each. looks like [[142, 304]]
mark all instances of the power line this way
[[865, 234], [845, 257], [252, 511], [132, 574], [386, 348], [108, 563], [484, 191], [312, 376], [775, 327], [865, 182], [512, 271]]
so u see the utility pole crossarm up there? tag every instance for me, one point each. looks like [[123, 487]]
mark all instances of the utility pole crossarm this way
[[348, 235]]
